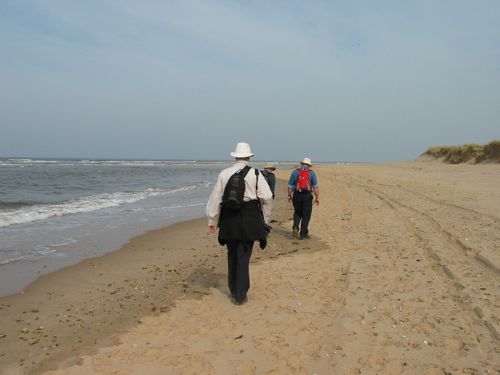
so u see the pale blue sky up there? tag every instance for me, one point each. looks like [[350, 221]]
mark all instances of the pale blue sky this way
[[332, 80]]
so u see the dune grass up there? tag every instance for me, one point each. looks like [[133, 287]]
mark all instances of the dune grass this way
[[468, 153]]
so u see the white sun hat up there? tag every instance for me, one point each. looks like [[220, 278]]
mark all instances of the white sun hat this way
[[242, 150], [307, 161]]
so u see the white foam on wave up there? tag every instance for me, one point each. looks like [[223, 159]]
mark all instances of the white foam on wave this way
[[15, 259], [68, 241], [82, 205], [14, 160], [26, 162], [37, 252], [137, 163], [86, 162]]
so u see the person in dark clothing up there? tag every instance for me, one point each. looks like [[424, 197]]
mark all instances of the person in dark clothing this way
[[270, 177], [240, 228], [301, 186]]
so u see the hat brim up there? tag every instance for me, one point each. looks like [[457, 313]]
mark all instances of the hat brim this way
[[241, 155], [306, 163]]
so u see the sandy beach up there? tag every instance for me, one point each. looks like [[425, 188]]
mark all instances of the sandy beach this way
[[401, 276]]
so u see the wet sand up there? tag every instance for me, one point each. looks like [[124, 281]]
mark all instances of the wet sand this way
[[400, 277]]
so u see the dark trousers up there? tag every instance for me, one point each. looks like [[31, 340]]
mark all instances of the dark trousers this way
[[303, 205], [238, 275]]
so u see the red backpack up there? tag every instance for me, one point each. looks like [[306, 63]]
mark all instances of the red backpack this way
[[303, 180]]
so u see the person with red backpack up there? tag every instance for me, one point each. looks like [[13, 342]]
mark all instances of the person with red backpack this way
[[301, 186]]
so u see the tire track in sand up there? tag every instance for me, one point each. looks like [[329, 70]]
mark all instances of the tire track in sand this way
[[401, 314], [477, 282]]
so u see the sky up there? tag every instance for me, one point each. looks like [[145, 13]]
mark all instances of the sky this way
[[352, 81]]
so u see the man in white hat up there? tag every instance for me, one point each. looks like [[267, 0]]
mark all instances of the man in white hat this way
[[240, 227], [301, 185]]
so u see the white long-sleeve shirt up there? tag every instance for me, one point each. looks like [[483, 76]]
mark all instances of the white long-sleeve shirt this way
[[263, 192]]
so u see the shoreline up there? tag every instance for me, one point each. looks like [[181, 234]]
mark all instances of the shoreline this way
[[104, 294], [37, 254], [76, 309], [18, 275], [77, 211]]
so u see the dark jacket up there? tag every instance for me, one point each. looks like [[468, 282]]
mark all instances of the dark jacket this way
[[246, 224], [271, 180]]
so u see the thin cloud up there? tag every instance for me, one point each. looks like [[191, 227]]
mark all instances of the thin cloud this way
[[139, 79]]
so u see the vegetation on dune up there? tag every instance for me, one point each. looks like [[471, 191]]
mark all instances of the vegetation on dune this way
[[468, 153], [492, 151]]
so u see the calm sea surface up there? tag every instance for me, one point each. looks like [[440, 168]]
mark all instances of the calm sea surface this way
[[57, 212]]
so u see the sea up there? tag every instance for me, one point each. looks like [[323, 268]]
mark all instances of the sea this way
[[54, 213]]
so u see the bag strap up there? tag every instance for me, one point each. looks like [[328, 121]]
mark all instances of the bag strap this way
[[244, 171], [256, 182]]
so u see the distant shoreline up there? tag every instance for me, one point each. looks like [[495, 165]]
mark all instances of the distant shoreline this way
[[27, 159]]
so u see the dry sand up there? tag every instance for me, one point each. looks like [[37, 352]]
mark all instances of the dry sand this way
[[400, 277]]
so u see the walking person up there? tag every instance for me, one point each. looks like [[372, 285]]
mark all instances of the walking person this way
[[270, 177], [240, 206], [302, 184]]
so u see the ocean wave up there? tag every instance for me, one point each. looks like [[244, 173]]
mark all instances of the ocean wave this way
[[87, 162], [135, 209], [136, 163], [14, 259], [9, 205], [14, 160], [67, 241], [84, 204], [25, 162], [17, 256]]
